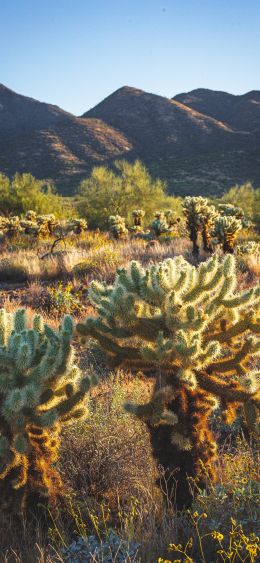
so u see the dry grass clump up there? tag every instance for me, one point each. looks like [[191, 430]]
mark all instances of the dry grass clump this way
[[108, 457], [109, 473]]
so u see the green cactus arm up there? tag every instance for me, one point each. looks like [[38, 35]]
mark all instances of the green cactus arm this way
[[231, 364], [231, 390]]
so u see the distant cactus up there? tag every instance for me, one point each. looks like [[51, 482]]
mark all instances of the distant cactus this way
[[196, 332], [248, 248], [78, 226], [41, 389], [193, 208], [13, 226], [117, 227], [159, 225], [229, 210], [31, 216], [47, 224], [208, 216], [226, 229], [138, 215]]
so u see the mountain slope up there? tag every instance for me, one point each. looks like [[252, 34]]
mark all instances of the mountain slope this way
[[199, 142], [157, 125], [51, 143], [239, 112]]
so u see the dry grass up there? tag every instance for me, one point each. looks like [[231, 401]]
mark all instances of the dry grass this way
[[109, 477], [106, 463]]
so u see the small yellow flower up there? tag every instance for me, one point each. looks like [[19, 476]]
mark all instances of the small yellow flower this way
[[244, 480], [251, 548], [204, 515], [195, 514], [217, 535]]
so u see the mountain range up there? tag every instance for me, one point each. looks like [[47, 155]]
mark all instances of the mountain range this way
[[200, 142]]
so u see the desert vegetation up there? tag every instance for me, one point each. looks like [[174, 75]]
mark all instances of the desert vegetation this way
[[129, 372]]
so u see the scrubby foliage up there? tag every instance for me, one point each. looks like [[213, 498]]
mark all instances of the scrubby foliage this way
[[41, 390], [108, 192], [195, 331], [24, 192]]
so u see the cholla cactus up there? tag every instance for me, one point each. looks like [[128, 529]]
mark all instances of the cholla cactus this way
[[78, 226], [41, 389], [249, 248], [117, 226], [229, 210], [194, 207], [195, 332], [208, 217], [31, 216], [159, 225], [226, 229], [47, 224], [13, 226], [138, 215]]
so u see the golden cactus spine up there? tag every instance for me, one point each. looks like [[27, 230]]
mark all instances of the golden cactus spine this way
[[41, 390], [195, 332]]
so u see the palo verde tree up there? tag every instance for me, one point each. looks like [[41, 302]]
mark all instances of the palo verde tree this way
[[41, 390], [195, 332]]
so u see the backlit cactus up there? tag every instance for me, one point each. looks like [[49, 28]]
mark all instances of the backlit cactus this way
[[195, 332], [249, 248], [78, 226], [226, 230], [41, 389], [117, 227], [160, 224], [193, 208], [208, 216], [138, 215]]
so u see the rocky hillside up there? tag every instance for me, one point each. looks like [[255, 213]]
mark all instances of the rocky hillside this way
[[242, 113], [51, 143], [200, 142]]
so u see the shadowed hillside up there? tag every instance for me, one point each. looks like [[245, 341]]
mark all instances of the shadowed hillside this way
[[199, 142]]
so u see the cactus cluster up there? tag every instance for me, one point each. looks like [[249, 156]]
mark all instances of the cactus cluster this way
[[226, 229], [247, 248], [39, 226], [78, 226], [138, 215], [223, 223], [159, 225], [194, 208], [41, 389], [195, 332], [117, 227]]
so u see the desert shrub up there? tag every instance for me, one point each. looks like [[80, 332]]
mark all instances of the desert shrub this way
[[107, 459], [194, 330], [108, 192], [111, 549], [64, 299], [24, 192]]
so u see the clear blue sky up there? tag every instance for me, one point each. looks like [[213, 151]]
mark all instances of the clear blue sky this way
[[74, 53]]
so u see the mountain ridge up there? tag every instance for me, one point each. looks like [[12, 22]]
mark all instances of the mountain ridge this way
[[200, 141]]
